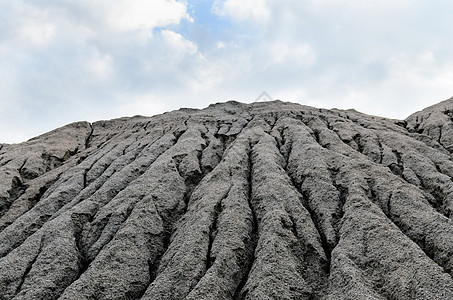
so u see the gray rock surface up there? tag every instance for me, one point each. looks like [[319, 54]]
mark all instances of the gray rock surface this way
[[268, 200]]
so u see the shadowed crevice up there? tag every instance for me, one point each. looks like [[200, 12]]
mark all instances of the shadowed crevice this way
[[29, 267], [406, 229], [212, 234], [17, 189], [240, 294], [79, 221], [285, 149], [89, 137], [343, 194]]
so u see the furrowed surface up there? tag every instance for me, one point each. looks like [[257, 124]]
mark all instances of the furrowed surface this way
[[267, 200]]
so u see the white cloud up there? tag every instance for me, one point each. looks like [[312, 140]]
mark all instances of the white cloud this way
[[209, 76], [373, 6], [293, 95], [302, 54], [178, 43], [130, 15], [101, 65], [37, 34], [412, 82], [146, 104], [27, 26], [426, 57], [243, 10], [114, 15], [421, 77]]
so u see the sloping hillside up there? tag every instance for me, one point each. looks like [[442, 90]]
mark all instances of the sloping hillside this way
[[267, 200]]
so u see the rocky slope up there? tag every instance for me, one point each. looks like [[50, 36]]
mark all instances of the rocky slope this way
[[260, 201]]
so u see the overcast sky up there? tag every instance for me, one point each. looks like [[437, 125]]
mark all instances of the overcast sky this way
[[69, 60]]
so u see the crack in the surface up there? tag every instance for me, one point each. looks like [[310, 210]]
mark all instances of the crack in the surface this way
[[397, 168], [31, 201], [305, 198], [324, 243], [440, 137], [434, 196], [124, 217], [239, 294], [212, 234], [368, 263], [85, 259], [17, 189], [153, 267], [357, 138], [23, 176], [191, 181], [29, 267], [250, 190], [112, 195], [112, 162], [51, 161], [96, 155], [145, 128], [227, 139], [105, 143], [7, 161], [136, 173], [207, 168], [343, 194], [401, 123], [304, 253], [337, 218], [316, 132], [89, 137], [85, 178], [84, 193], [389, 204], [286, 154], [316, 136], [79, 220], [404, 228], [381, 150], [170, 219]]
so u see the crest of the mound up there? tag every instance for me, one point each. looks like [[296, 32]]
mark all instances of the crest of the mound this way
[[267, 200]]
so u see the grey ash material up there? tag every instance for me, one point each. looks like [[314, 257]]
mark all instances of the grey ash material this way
[[236, 201]]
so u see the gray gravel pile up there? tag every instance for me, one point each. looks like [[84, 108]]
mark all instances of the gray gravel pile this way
[[267, 200]]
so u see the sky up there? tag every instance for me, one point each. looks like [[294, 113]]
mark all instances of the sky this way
[[72, 60]]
